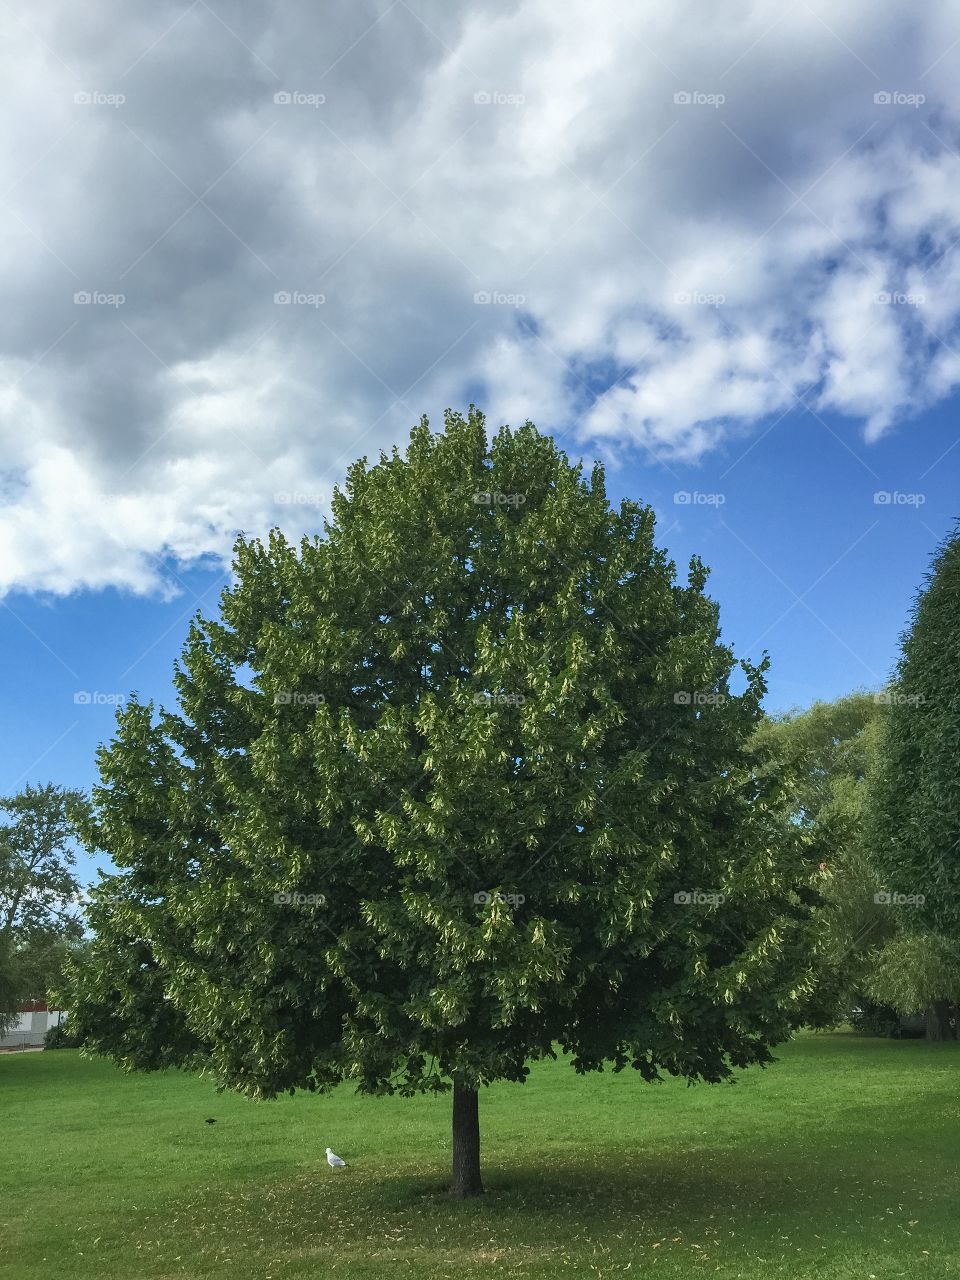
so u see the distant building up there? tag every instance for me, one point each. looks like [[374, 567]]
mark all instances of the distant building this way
[[34, 1020]]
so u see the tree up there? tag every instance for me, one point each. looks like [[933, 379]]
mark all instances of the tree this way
[[460, 783], [9, 985], [920, 970], [869, 943], [42, 963], [824, 756], [915, 808], [38, 892]]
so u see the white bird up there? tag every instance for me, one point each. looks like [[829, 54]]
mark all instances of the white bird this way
[[334, 1161]]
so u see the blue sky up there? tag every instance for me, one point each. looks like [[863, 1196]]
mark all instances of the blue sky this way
[[718, 247]]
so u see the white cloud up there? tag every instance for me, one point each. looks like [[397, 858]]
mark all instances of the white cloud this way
[[663, 273]]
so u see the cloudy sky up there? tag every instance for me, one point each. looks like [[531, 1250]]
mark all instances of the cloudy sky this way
[[243, 244]]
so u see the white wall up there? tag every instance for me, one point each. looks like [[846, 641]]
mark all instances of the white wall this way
[[30, 1027]]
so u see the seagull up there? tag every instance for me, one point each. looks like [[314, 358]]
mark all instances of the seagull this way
[[334, 1161]]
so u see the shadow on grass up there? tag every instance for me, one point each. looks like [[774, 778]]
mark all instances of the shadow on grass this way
[[699, 1184], [611, 1201]]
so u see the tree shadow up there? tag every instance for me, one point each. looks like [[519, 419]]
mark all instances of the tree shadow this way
[[699, 1184]]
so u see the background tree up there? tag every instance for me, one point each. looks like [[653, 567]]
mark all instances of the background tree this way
[[39, 892], [9, 985], [824, 755], [919, 970], [460, 782], [870, 946], [42, 961], [915, 808]]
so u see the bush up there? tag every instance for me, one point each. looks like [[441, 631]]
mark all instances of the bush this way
[[871, 1018], [61, 1037], [874, 1018]]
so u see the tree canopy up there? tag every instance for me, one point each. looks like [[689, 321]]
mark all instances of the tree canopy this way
[[915, 807], [824, 757], [464, 781]]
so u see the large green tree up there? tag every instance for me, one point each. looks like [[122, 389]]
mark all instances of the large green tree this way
[[462, 782], [39, 891], [915, 805]]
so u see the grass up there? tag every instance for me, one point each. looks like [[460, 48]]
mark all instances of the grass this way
[[840, 1161]]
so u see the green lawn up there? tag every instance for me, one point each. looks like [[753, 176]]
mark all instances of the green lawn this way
[[842, 1160]]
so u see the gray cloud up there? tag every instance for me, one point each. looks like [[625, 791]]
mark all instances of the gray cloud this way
[[683, 221]]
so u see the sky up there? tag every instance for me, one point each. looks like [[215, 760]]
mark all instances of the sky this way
[[716, 247]]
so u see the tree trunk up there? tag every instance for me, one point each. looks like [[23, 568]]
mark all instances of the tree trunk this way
[[466, 1144], [937, 1018]]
